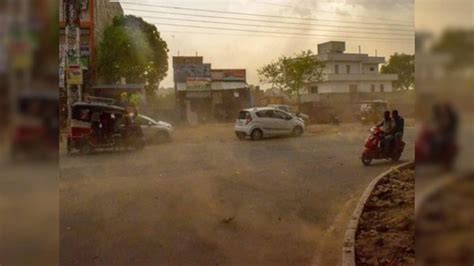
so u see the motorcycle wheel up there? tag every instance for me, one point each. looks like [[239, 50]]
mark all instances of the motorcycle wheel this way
[[396, 156], [366, 160]]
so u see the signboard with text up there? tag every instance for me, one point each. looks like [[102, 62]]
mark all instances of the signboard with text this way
[[228, 74], [182, 72], [198, 83], [74, 75], [187, 60]]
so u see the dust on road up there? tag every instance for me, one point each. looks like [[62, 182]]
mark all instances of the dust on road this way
[[207, 198]]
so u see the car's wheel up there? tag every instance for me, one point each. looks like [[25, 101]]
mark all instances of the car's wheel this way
[[240, 135], [366, 160], [257, 134], [297, 131], [162, 137]]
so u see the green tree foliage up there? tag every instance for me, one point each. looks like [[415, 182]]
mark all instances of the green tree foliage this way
[[290, 74], [459, 44], [133, 49], [404, 66]]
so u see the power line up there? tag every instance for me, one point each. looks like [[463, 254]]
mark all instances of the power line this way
[[254, 35], [286, 33], [259, 15], [268, 21], [328, 11], [273, 27]]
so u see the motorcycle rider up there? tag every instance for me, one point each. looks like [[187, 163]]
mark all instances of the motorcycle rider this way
[[399, 123], [388, 127]]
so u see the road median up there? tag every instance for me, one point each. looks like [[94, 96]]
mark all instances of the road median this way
[[349, 245]]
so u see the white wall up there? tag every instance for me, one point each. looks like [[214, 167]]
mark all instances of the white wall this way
[[343, 86]]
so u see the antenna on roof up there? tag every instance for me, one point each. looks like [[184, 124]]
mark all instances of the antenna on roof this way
[[178, 52], [359, 49], [375, 52], [196, 53]]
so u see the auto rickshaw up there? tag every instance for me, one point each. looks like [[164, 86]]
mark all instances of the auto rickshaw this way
[[371, 112], [99, 125], [35, 125]]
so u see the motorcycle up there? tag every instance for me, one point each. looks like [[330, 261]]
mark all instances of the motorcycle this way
[[374, 150], [426, 153]]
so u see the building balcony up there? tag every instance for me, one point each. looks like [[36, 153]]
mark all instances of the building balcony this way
[[346, 57], [360, 77]]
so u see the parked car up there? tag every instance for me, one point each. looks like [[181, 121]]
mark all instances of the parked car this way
[[155, 131], [292, 110], [261, 122]]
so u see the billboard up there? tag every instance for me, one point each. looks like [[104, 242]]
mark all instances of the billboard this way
[[198, 83], [228, 74], [187, 60], [182, 72]]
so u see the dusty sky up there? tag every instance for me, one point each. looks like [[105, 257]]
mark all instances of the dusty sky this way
[[251, 50]]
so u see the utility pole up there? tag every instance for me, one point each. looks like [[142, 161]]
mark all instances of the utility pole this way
[[73, 68]]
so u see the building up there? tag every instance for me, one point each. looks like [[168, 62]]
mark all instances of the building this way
[[77, 70], [204, 94], [95, 16], [349, 72]]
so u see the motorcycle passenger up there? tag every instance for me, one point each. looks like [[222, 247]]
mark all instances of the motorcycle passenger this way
[[399, 123], [387, 125]]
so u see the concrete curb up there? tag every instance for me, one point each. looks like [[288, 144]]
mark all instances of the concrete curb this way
[[348, 249]]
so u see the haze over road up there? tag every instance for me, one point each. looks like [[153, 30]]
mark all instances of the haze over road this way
[[209, 199]]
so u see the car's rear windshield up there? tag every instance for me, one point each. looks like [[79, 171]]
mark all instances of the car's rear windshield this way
[[243, 114]]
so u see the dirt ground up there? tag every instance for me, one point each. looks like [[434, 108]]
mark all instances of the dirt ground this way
[[207, 198], [445, 222], [386, 231]]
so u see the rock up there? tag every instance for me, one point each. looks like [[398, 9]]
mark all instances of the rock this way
[[228, 220], [379, 242], [372, 233], [382, 228]]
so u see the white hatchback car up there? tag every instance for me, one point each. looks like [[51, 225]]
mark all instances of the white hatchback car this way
[[155, 131], [266, 122]]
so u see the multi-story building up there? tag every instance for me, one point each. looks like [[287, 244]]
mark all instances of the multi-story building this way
[[349, 72], [95, 16], [205, 94]]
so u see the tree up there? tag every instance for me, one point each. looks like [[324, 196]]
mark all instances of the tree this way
[[404, 66], [290, 74], [133, 49], [458, 44]]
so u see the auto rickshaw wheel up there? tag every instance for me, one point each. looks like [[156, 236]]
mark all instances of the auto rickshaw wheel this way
[[86, 148], [366, 160]]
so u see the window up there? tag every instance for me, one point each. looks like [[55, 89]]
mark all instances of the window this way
[[265, 114], [382, 88], [244, 114], [372, 69], [336, 69], [372, 87], [348, 69], [314, 89], [281, 115]]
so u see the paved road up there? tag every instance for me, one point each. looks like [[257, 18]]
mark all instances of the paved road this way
[[209, 199]]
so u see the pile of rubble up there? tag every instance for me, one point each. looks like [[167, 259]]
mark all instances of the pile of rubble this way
[[386, 230], [445, 225]]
